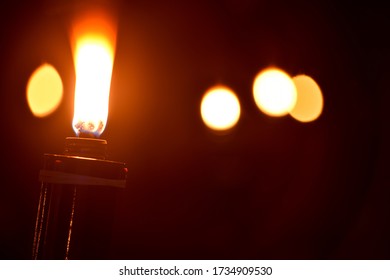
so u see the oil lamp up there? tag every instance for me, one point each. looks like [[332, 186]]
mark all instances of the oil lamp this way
[[79, 186]]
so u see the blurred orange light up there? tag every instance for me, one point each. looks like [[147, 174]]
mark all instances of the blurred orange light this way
[[220, 108], [274, 92], [93, 39], [44, 91], [309, 102]]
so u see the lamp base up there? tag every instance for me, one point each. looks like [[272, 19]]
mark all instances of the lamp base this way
[[77, 201]]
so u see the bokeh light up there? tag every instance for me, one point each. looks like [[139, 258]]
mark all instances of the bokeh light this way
[[44, 91], [274, 92], [310, 101], [220, 108]]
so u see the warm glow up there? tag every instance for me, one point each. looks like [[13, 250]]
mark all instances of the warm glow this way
[[309, 102], [220, 108], [44, 91], [93, 50], [274, 92]]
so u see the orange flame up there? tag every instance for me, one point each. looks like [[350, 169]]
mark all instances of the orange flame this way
[[93, 43]]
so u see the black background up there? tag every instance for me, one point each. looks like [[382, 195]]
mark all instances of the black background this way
[[273, 188]]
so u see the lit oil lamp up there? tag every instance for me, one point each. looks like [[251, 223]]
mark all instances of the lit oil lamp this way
[[79, 187]]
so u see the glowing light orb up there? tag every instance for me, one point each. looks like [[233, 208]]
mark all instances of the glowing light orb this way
[[44, 91], [220, 108], [310, 101], [274, 92]]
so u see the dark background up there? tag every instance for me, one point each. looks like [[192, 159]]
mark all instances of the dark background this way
[[273, 188]]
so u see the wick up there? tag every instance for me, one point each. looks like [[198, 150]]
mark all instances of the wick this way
[[86, 135]]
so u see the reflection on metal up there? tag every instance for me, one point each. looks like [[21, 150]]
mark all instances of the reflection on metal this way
[[70, 225], [39, 220]]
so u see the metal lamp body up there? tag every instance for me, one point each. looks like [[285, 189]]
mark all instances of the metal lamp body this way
[[77, 201]]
